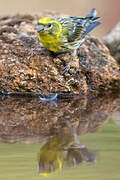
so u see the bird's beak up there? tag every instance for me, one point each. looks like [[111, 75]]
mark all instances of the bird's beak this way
[[40, 28]]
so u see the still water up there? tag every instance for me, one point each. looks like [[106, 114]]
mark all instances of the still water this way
[[70, 139]]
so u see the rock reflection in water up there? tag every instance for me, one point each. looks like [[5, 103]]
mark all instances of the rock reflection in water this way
[[28, 119], [63, 150]]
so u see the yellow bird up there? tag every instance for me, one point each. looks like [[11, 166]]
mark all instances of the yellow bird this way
[[61, 35]]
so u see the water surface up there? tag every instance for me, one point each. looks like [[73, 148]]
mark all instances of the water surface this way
[[27, 124]]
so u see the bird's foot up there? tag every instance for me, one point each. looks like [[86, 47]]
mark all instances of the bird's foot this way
[[66, 68], [82, 56]]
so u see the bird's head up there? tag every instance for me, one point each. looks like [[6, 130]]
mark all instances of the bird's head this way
[[49, 26]]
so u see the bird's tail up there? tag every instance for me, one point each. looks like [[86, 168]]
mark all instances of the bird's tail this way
[[90, 21], [92, 14]]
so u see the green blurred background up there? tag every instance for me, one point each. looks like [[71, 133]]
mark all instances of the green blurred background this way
[[109, 10]]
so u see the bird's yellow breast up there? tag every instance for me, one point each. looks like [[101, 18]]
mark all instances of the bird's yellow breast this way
[[50, 42]]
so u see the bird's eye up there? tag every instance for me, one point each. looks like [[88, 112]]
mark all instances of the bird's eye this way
[[49, 25]]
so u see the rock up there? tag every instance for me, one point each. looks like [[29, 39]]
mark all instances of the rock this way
[[112, 41], [25, 65]]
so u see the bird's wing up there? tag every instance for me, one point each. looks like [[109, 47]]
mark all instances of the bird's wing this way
[[75, 28], [72, 29], [75, 31], [80, 27]]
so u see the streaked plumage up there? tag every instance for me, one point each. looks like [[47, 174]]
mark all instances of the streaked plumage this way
[[66, 34]]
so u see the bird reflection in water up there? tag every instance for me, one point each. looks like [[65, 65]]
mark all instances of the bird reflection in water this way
[[63, 150]]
